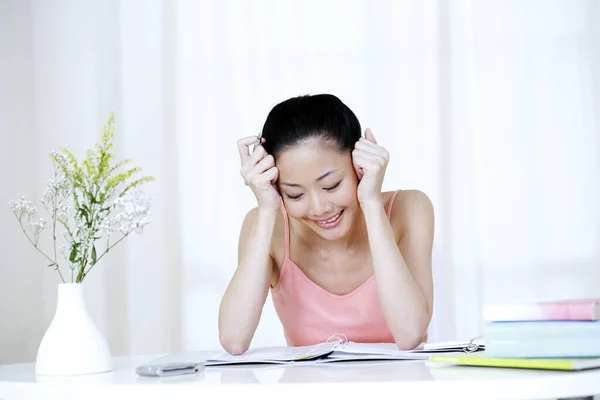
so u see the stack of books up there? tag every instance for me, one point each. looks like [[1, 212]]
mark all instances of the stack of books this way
[[562, 328], [562, 334]]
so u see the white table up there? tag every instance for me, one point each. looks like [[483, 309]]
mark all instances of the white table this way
[[369, 380]]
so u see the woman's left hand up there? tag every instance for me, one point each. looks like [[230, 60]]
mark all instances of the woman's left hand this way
[[370, 161]]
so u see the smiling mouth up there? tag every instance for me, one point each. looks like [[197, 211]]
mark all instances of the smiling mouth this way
[[330, 222]]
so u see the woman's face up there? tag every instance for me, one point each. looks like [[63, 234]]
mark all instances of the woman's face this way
[[318, 186]]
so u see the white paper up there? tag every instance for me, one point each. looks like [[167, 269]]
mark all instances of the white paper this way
[[274, 354], [376, 351]]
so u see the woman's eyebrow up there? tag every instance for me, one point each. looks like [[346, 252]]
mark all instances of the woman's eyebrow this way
[[325, 175]]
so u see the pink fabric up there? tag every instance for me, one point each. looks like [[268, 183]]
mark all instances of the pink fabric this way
[[310, 314]]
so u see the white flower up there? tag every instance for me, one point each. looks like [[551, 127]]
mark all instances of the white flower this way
[[38, 225], [64, 211], [60, 158], [132, 212], [22, 208]]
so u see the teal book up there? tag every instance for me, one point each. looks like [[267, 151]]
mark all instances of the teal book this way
[[543, 339]]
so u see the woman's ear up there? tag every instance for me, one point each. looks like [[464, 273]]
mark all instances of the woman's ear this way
[[357, 169], [359, 172]]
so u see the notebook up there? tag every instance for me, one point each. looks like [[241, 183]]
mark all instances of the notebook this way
[[481, 360], [558, 310]]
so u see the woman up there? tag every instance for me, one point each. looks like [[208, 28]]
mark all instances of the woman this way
[[338, 255]]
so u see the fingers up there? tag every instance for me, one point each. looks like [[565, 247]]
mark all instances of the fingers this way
[[244, 147], [265, 179], [369, 136], [365, 161], [258, 154], [252, 172], [360, 154], [271, 174], [250, 162], [264, 164], [371, 148]]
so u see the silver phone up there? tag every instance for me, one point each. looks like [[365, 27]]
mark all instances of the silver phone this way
[[169, 369]]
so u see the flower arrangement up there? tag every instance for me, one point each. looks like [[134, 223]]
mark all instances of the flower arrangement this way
[[95, 204]]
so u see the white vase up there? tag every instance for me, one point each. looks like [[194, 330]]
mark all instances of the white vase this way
[[73, 344]]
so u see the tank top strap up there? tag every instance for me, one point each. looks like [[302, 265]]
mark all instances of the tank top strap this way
[[287, 231], [391, 203]]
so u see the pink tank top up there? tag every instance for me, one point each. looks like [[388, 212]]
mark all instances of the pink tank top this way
[[310, 314]]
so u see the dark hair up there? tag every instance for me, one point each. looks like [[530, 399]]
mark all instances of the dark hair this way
[[300, 118]]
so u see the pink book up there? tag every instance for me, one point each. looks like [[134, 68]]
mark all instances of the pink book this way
[[558, 310]]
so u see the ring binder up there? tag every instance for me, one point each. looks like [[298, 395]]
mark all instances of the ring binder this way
[[340, 338], [472, 346]]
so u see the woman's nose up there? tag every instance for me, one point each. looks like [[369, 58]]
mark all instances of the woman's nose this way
[[319, 207]]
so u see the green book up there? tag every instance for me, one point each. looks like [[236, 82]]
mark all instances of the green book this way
[[480, 360]]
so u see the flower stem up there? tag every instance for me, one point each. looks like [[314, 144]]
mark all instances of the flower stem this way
[[42, 253], [54, 228], [102, 255]]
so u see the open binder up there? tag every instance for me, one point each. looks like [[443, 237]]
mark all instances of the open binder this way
[[336, 349]]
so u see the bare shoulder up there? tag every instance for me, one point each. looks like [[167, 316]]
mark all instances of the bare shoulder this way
[[277, 250], [412, 209], [248, 221], [246, 228], [251, 217]]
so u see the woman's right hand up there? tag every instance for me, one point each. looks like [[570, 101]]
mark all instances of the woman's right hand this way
[[260, 173]]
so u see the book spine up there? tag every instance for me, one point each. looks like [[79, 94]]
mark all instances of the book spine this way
[[554, 330]]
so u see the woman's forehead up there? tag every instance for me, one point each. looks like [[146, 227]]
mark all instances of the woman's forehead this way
[[310, 159]]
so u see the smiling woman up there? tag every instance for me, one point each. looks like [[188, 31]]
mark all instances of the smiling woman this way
[[338, 254]]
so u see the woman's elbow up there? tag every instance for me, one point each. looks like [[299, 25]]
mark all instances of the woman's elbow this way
[[233, 346], [410, 340], [408, 344]]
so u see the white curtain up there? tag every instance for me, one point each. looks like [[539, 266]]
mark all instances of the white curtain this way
[[489, 107]]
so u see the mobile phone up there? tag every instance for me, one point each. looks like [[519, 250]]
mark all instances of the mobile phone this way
[[169, 369]]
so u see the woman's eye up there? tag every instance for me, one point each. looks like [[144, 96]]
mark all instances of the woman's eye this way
[[334, 186], [294, 197]]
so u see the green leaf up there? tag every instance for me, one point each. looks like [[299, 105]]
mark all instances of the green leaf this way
[[85, 214], [73, 254], [136, 183], [93, 254]]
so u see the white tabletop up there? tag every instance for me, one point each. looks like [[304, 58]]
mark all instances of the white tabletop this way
[[337, 380]]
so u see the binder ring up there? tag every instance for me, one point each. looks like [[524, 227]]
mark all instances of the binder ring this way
[[340, 338], [472, 346]]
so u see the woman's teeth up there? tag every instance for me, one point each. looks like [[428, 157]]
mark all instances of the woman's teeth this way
[[330, 219], [330, 222]]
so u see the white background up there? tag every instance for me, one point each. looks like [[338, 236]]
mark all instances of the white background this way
[[490, 107]]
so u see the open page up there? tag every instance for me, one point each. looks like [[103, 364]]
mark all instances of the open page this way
[[274, 355], [377, 351]]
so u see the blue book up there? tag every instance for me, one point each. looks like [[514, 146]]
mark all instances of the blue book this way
[[542, 339]]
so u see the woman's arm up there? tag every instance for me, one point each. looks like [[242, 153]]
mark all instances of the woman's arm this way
[[243, 301], [403, 267]]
